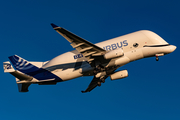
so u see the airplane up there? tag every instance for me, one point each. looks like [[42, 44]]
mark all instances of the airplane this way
[[99, 60]]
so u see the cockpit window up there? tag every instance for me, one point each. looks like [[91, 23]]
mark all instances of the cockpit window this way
[[135, 45]]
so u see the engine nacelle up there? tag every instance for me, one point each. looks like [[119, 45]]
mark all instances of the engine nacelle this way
[[114, 54], [119, 75]]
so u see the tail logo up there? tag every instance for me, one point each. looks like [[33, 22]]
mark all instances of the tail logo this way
[[20, 63]]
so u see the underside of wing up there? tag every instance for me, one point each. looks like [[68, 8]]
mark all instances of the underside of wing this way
[[92, 85]]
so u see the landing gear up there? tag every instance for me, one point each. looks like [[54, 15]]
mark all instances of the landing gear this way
[[100, 74], [95, 71], [98, 69], [102, 80], [99, 83], [157, 58]]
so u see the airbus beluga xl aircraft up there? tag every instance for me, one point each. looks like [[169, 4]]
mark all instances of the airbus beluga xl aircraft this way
[[100, 60]]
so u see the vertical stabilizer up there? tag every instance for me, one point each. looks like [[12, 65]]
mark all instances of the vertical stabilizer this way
[[23, 65], [23, 87], [29, 69]]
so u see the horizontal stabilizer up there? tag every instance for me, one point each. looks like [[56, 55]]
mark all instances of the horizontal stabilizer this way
[[21, 76], [23, 87]]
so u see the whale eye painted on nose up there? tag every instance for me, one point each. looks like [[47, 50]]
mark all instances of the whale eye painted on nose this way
[[135, 45]]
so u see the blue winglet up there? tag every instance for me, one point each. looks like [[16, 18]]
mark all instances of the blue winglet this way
[[54, 26]]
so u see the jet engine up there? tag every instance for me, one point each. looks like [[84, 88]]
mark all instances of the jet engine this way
[[119, 75], [114, 54]]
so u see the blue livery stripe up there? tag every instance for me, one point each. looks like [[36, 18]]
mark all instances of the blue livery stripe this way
[[31, 70], [22, 65]]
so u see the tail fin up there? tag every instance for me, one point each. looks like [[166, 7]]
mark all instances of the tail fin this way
[[26, 71], [28, 68], [23, 65]]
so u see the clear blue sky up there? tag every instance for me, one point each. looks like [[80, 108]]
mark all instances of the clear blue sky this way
[[152, 90]]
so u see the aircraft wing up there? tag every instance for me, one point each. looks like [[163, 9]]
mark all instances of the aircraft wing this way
[[87, 49], [92, 85]]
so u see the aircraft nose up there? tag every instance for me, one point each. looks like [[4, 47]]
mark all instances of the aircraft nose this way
[[172, 48]]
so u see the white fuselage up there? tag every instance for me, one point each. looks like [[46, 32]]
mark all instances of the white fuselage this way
[[135, 46]]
